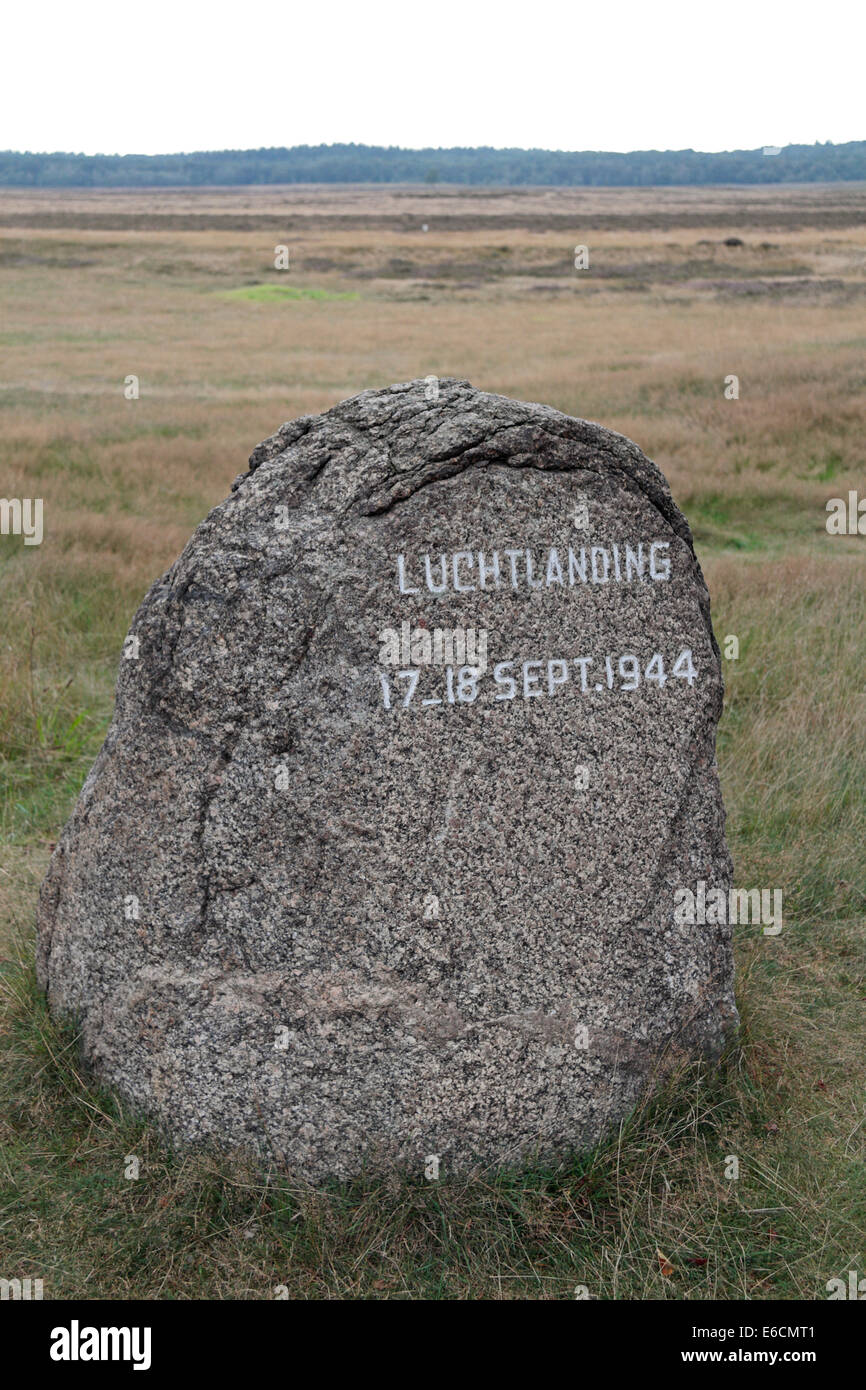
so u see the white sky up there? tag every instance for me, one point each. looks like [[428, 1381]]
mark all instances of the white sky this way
[[146, 76]]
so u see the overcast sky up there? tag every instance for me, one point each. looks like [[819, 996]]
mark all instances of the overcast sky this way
[[146, 76]]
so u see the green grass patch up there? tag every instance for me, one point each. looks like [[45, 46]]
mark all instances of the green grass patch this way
[[728, 521], [825, 468], [273, 294]]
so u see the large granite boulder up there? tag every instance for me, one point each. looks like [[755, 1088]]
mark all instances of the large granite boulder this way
[[413, 747]]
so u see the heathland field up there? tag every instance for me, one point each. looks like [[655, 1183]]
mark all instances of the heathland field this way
[[179, 291]]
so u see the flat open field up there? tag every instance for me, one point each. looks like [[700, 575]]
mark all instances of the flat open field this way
[[179, 290]]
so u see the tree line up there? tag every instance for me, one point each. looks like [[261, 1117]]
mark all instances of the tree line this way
[[380, 164]]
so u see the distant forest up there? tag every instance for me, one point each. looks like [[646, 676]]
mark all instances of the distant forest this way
[[379, 164]]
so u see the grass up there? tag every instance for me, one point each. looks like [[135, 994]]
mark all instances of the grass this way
[[125, 482]]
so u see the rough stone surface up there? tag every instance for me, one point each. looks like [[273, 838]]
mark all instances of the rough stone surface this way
[[287, 916]]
